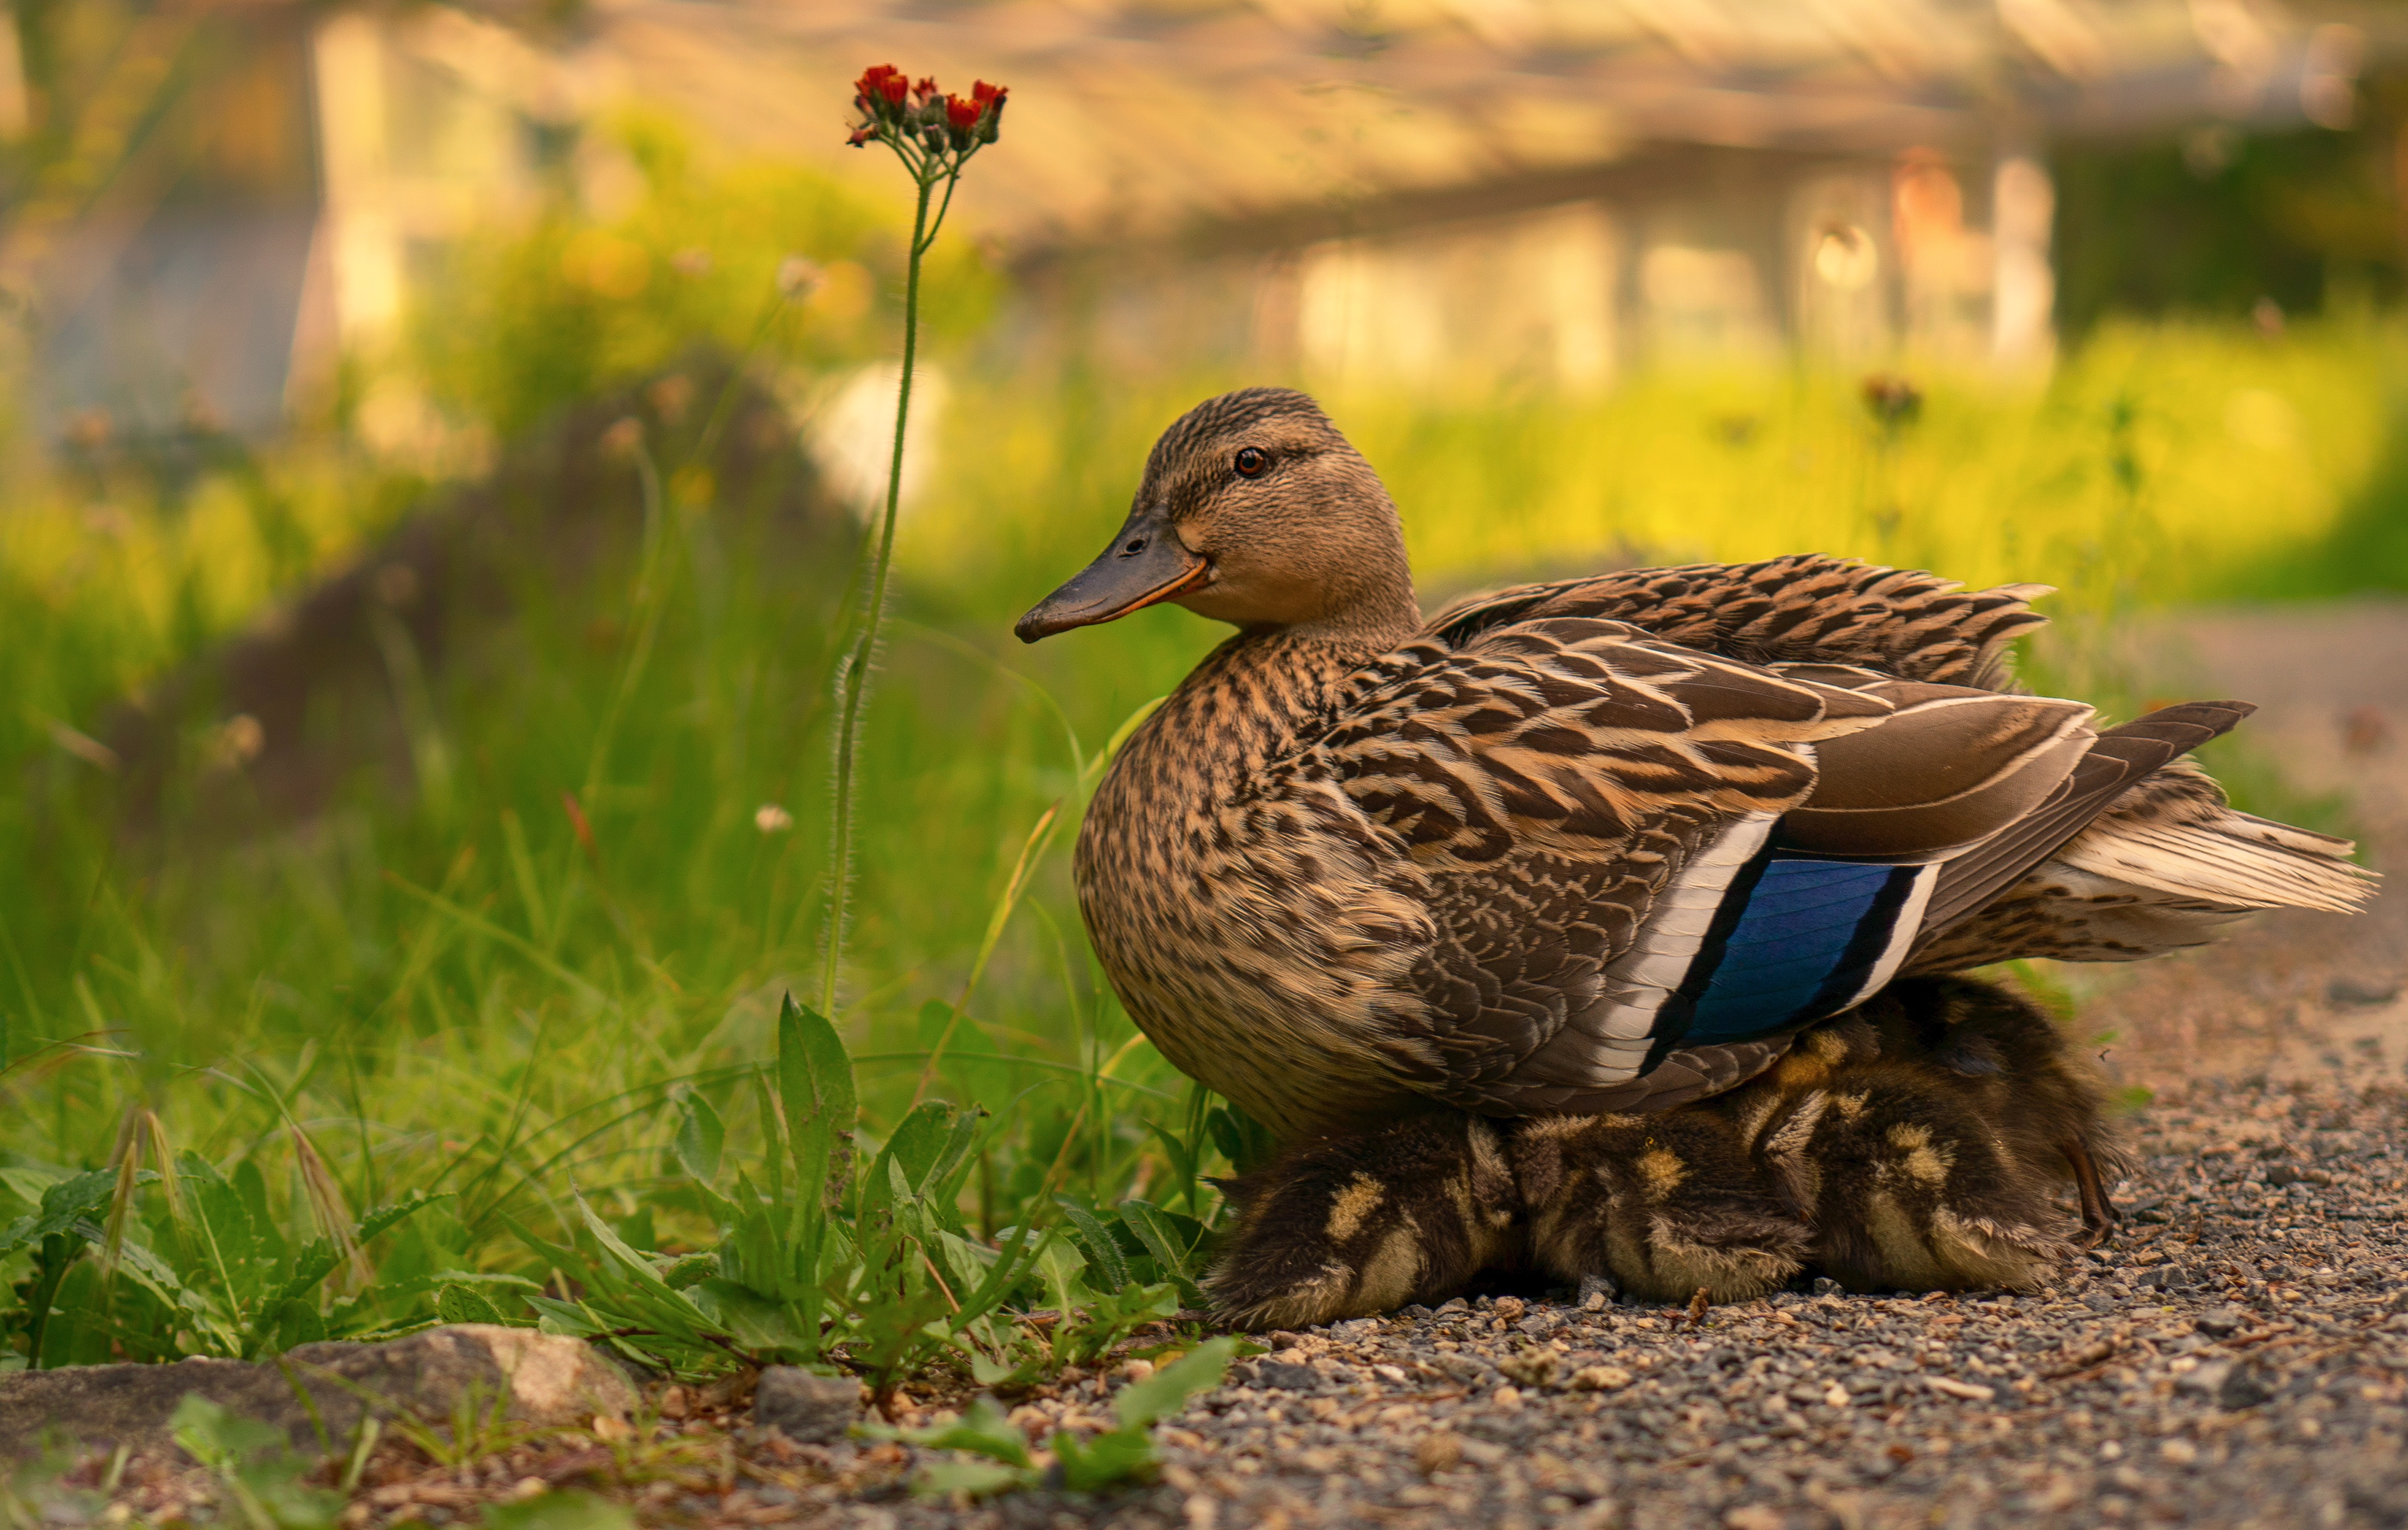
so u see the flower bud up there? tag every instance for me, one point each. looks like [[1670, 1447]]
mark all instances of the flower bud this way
[[962, 121], [881, 87], [620, 441], [991, 98]]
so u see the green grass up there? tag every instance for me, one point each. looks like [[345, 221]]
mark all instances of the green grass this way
[[485, 999]]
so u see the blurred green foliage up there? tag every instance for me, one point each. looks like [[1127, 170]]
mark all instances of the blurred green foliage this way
[[755, 257], [2211, 223]]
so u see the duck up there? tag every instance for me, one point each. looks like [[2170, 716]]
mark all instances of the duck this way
[[1597, 847]]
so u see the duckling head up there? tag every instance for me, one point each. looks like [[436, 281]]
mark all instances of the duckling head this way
[[1255, 511]]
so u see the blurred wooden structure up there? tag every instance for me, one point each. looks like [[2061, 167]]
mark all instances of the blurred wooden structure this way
[[1434, 192]]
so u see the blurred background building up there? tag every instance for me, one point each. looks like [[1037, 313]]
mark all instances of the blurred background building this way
[[210, 206]]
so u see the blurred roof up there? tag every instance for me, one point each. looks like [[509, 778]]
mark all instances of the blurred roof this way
[[1144, 118]]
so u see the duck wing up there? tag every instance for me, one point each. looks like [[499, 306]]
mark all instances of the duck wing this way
[[1549, 784], [1644, 866], [1809, 608]]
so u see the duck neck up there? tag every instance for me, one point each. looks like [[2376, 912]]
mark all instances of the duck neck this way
[[1260, 694]]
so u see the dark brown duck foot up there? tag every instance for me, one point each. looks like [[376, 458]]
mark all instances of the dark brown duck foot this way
[[1349, 1226], [2099, 1214], [1666, 1204]]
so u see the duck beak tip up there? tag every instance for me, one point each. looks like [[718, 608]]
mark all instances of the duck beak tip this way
[[1115, 584]]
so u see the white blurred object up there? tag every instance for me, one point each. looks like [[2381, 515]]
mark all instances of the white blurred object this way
[[850, 431], [2247, 51], [2023, 292], [1704, 304], [1529, 297], [1846, 257], [2329, 77]]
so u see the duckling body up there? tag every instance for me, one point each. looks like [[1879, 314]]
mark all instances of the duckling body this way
[[1603, 844], [1918, 1143]]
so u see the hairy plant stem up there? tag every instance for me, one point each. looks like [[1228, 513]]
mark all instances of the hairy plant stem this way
[[856, 676]]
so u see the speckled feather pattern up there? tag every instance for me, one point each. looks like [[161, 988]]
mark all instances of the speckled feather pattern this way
[[1332, 882]]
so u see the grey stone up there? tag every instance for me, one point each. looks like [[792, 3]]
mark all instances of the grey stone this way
[[2243, 1387], [2349, 992], [1285, 1376], [805, 1408], [2221, 1322], [539, 1379], [1464, 1368], [2207, 1380]]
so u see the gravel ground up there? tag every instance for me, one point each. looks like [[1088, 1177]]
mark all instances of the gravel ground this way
[[2238, 1356]]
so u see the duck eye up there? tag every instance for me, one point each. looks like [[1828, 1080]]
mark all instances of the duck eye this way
[[1252, 461]]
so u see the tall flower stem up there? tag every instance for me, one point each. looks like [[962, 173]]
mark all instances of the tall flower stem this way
[[857, 662], [934, 135]]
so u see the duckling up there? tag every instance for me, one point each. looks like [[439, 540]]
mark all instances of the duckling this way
[[1919, 1142], [1601, 846]]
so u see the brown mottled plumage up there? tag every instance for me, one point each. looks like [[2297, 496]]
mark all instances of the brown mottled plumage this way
[[1357, 864], [1360, 871]]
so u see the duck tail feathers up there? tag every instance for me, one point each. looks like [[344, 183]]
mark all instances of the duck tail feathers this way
[[2211, 854], [2120, 759], [2167, 863]]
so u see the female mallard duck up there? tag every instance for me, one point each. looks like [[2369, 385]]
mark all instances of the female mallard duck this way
[[1601, 846]]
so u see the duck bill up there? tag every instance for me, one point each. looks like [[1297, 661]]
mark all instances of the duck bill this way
[[1118, 583]]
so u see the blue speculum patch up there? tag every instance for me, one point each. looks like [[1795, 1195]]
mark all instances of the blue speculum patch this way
[[1808, 937]]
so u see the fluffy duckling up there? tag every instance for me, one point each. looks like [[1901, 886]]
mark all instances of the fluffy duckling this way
[[1921, 1142]]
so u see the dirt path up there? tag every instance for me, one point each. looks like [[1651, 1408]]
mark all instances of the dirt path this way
[[2295, 996]]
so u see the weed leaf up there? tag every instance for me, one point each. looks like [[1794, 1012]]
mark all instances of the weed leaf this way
[[1154, 1229], [700, 1137], [1141, 1405], [569, 1510], [465, 1304], [815, 1087], [1114, 1457], [1103, 1253]]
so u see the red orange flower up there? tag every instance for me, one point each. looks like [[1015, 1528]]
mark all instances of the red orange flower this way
[[896, 109]]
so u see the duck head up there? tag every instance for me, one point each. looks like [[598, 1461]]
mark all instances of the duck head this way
[[1256, 511]]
